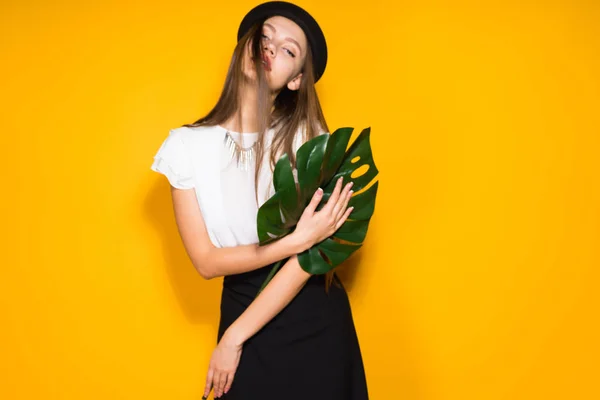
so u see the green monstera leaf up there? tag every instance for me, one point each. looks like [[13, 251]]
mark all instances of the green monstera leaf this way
[[319, 163]]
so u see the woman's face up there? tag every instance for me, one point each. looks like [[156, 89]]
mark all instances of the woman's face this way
[[283, 47]]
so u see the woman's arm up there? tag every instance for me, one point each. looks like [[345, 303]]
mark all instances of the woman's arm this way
[[211, 261], [284, 286], [278, 293]]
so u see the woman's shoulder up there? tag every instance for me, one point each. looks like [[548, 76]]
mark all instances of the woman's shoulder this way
[[197, 135], [193, 132]]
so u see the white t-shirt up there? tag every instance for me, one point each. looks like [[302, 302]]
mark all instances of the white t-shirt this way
[[197, 158]]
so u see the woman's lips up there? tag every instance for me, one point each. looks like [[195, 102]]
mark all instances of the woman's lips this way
[[266, 63]]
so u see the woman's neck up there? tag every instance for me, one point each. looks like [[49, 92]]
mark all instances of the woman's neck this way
[[245, 119]]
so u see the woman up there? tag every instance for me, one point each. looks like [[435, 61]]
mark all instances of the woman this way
[[296, 339]]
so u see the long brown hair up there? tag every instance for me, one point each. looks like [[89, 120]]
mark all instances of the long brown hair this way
[[291, 111]]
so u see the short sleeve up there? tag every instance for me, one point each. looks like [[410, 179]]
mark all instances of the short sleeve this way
[[173, 161]]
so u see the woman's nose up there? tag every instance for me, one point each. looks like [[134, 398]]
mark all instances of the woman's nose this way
[[268, 48]]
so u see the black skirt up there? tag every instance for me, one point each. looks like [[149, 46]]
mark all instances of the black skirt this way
[[310, 350]]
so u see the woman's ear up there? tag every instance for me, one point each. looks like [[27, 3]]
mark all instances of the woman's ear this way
[[294, 84]]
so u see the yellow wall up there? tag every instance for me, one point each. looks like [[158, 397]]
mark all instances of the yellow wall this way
[[479, 276]]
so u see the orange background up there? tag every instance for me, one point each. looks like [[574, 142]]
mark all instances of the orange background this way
[[479, 277]]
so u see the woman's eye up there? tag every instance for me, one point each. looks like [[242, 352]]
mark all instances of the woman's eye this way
[[264, 36], [290, 53]]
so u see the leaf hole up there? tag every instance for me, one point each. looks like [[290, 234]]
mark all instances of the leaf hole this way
[[355, 160], [327, 260], [360, 171], [342, 241]]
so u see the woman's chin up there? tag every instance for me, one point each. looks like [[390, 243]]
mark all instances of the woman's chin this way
[[250, 76]]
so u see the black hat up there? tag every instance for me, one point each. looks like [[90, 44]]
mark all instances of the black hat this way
[[311, 29]]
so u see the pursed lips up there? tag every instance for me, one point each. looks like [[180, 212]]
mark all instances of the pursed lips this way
[[266, 62]]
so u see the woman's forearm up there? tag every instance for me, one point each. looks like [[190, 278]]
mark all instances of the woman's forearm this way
[[234, 260], [284, 286]]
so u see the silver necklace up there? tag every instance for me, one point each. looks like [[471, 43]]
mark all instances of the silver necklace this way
[[243, 155]]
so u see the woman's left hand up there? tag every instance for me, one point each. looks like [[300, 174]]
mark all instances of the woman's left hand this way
[[222, 367]]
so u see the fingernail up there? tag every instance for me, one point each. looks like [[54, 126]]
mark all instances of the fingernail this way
[[320, 191], [352, 191], [351, 184], [340, 178]]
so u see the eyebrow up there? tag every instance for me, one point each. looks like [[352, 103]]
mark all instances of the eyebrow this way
[[287, 38]]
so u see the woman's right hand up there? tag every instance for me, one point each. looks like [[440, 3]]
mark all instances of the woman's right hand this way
[[316, 226]]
